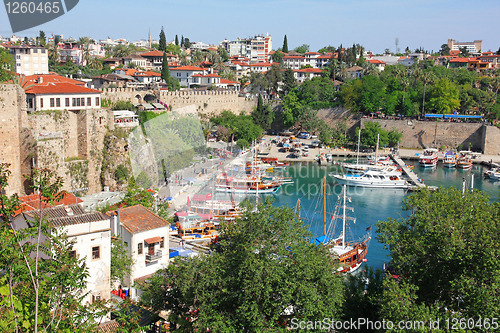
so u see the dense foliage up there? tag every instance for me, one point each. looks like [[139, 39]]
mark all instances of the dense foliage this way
[[237, 127], [262, 272], [413, 91]]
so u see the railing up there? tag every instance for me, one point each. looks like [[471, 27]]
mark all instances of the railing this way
[[153, 257]]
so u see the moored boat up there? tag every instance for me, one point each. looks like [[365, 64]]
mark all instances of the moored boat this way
[[429, 158], [464, 160], [373, 178], [350, 255], [450, 159]]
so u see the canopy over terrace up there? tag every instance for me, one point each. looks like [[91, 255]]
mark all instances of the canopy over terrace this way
[[452, 116]]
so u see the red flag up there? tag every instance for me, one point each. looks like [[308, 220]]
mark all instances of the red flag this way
[[188, 201]]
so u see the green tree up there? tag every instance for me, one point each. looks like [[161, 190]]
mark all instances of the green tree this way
[[187, 43], [291, 108], [182, 41], [289, 81], [121, 261], [41, 39], [304, 48], [277, 57], [446, 250], [285, 45], [370, 132], [172, 82], [263, 115], [54, 53], [444, 96], [6, 65], [163, 41], [263, 271], [464, 52], [176, 40], [445, 50]]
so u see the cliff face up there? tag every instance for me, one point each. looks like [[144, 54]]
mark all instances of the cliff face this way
[[115, 171]]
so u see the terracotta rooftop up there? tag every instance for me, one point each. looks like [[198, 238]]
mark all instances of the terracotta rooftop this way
[[60, 88], [310, 70], [188, 68], [51, 78], [138, 219]]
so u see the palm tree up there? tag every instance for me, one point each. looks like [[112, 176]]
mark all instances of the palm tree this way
[[54, 53], [95, 63], [21, 80], [197, 57], [426, 77], [207, 127], [84, 43]]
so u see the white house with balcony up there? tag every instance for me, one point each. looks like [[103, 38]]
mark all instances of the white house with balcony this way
[[147, 237]]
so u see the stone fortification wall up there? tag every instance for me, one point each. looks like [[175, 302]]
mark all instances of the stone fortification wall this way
[[69, 143], [422, 134], [491, 140], [206, 102], [12, 103]]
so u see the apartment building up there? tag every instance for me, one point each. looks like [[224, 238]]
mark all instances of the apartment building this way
[[255, 48], [30, 59], [474, 47]]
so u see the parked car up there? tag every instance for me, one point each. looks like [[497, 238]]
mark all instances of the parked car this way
[[315, 144]]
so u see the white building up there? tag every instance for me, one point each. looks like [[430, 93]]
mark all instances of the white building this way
[[30, 59], [55, 92], [474, 47], [90, 232], [307, 73], [185, 75], [255, 48], [147, 237]]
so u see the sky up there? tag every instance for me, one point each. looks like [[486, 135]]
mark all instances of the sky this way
[[374, 24]]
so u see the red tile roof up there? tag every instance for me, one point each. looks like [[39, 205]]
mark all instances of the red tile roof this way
[[32, 202], [261, 64], [188, 68], [156, 53], [228, 82], [60, 88], [461, 60], [211, 75], [293, 57], [375, 61], [312, 53], [309, 70], [54, 78], [138, 219]]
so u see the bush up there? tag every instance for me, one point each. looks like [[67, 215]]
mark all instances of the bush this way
[[242, 143], [121, 173]]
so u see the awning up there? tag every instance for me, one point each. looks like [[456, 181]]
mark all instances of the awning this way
[[153, 240], [158, 105], [148, 106]]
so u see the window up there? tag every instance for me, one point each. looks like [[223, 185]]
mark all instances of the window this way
[[72, 254], [139, 248], [89, 101], [74, 102], [97, 101], [58, 102], [41, 102], [77, 102], [162, 243], [35, 50], [67, 102], [43, 50], [30, 103], [82, 100], [151, 249], [51, 102], [96, 252]]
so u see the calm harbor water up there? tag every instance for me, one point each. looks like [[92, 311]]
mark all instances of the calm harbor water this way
[[369, 205]]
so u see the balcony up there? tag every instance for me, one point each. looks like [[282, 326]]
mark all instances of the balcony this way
[[153, 257]]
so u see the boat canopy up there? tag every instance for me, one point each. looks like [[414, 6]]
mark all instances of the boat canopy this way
[[202, 197], [320, 240], [450, 116]]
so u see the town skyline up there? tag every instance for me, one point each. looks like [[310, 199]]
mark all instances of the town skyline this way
[[374, 25]]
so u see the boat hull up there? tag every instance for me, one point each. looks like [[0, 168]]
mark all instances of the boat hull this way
[[352, 181]]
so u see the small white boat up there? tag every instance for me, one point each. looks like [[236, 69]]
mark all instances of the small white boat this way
[[464, 160]]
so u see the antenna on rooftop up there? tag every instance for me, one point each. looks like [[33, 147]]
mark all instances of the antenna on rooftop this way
[[397, 45]]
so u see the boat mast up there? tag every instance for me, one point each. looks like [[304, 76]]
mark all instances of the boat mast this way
[[376, 150], [256, 174], [343, 218], [359, 140], [324, 205]]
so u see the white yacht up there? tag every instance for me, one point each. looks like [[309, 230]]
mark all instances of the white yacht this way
[[373, 178]]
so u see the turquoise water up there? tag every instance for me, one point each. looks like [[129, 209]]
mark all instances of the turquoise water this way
[[370, 205]]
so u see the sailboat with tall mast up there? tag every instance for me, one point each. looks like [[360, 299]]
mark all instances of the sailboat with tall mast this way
[[360, 168], [351, 254]]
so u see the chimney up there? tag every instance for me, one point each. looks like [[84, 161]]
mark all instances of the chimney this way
[[40, 79]]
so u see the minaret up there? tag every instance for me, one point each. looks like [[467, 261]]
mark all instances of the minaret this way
[[150, 38]]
